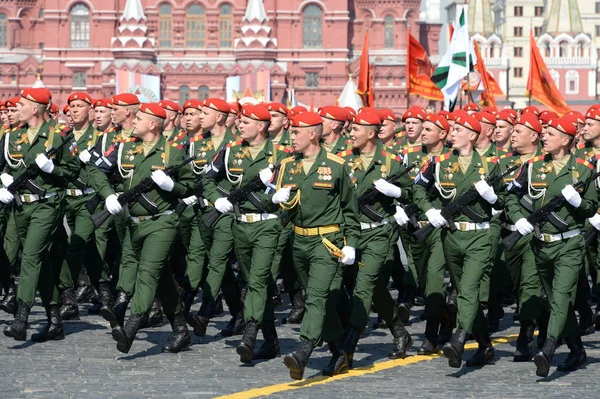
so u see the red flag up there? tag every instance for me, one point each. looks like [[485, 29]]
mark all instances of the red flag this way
[[365, 87], [540, 85], [420, 71], [486, 79], [312, 105]]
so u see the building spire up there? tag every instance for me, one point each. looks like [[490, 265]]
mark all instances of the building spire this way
[[480, 17], [564, 17], [255, 11], [133, 11]]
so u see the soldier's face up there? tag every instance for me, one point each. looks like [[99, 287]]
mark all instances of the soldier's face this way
[[502, 132], [462, 137], [522, 138], [80, 111], [118, 114], [278, 121], [249, 128], [141, 124], [230, 122], [360, 135], [301, 138], [209, 118], [328, 126], [591, 129], [102, 117], [193, 119], [26, 110], [432, 134], [4, 117], [413, 128], [554, 140], [386, 131]]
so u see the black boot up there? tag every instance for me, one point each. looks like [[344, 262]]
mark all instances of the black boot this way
[[18, 329], [9, 302], [577, 357], [105, 298], [199, 322], [587, 321], [524, 350], [235, 326], [296, 362], [402, 339], [125, 335], [430, 340], [85, 293], [338, 363], [543, 359], [155, 317], [270, 348], [181, 336], [217, 309], [597, 316], [69, 309], [454, 349], [116, 315], [246, 348], [53, 331], [188, 299], [351, 337], [406, 304], [297, 313], [543, 320], [484, 353]]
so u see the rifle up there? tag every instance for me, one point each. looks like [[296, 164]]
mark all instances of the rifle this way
[[453, 209], [235, 198], [181, 206], [541, 214], [24, 180], [138, 190]]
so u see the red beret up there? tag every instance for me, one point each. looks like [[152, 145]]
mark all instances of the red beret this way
[[445, 114], [217, 104], [530, 109], [153, 109], [414, 112], [66, 109], [39, 96], [278, 107], [170, 105], [564, 125], [366, 119], [334, 113], [471, 107], [125, 99], [457, 113], [2, 105], [578, 115], [12, 102], [470, 122], [595, 106], [370, 110], [386, 114], [193, 104], [81, 96], [593, 113], [485, 117], [54, 108], [507, 116], [350, 113], [546, 115], [490, 110], [297, 109], [257, 112], [234, 107], [438, 120], [103, 102], [306, 119], [530, 121]]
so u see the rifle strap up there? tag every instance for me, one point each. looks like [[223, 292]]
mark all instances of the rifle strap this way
[[50, 140], [167, 154]]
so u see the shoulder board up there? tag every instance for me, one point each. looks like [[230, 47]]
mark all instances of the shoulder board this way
[[109, 130], [344, 153], [581, 146], [492, 159], [538, 158], [5, 127], [391, 155], [177, 145], [585, 163], [443, 157], [235, 143], [335, 158], [129, 140], [508, 154], [182, 135], [288, 159], [401, 134], [192, 140], [62, 130], [412, 149]]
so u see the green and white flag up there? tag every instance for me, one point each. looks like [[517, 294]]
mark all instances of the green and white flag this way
[[454, 66]]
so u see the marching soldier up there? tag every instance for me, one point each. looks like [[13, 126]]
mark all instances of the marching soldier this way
[[173, 110], [505, 122], [334, 119]]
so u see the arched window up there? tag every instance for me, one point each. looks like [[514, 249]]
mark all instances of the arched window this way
[[312, 27], [389, 32], [556, 77], [580, 49], [165, 23], [203, 92], [225, 26], [80, 26], [563, 49], [492, 50], [3, 30], [546, 47], [572, 79], [184, 94], [195, 27]]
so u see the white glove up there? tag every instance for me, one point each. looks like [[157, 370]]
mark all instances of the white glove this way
[[400, 216], [85, 156], [571, 195], [349, 255], [193, 200], [282, 195], [524, 227], [112, 205], [486, 191], [162, 180], [595, 221], [223, 205], [265, 176], [496, 212], [435, 218], [6, 179], [5, 196], [387, 189], [46, 165]]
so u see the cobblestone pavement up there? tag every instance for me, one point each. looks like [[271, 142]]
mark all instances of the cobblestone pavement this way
[[87, 365]]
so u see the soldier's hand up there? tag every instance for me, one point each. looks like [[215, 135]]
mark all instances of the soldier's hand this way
[[112, 205], [265, 176], [223, 205], [85, 156], [400, 216], [571, 195], [6, 196], [595, 221], [349, 255], [193, 200], [486, 191], [6, 179], [387, 188], [46, 165], [435, 218], [524, 227], [163, 180], [282, 195]]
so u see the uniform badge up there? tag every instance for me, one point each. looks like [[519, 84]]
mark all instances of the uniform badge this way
[[383, 171]]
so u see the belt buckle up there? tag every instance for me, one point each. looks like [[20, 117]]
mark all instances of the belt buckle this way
[[250, 218], [463, 226], [304, 231], [27, 198], [547, 237]]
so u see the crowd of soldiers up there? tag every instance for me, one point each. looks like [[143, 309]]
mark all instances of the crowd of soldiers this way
[[143, 205]]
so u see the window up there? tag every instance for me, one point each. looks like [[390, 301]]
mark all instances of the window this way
[[572, 78], [563, 49], [80, 26], [79, 80], [165, 23], [518, 51], [312, 27], [518, 72], [556, 77], [312, 79], [390, 34], [492, 50], [225, 26], [184, 94], [580, 49], [546, 48], [537, 31], [195, 27], [598, 7], [3, 30], [539, 11], [597, 30], [518, 11], [203, 92], [518, 31]]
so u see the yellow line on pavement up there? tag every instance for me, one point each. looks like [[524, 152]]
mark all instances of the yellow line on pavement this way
[[356, 372]]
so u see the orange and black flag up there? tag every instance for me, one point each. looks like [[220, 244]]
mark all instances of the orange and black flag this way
[[490, 86], [365, 84], [540, 85], [419, 71]]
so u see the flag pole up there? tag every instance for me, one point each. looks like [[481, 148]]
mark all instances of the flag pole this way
[[407, 64]]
